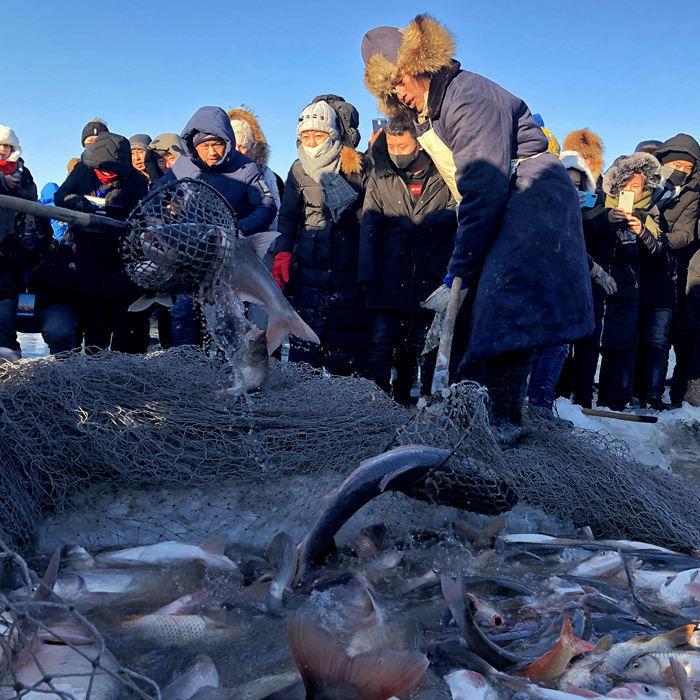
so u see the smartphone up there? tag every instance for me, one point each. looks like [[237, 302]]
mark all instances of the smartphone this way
[[26, 304], [589, 199], [626, 201], [378, 123]]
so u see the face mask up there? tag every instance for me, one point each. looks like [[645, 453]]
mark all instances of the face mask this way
[[676, 177], [318, 151], [404, 162]]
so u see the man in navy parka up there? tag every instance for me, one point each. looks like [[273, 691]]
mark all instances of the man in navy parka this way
[[519, 246], [235, 176]]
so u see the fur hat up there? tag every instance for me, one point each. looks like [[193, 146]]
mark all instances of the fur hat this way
[[260, 150], [575, 161], [624, 167], [424, 47], [9, 138], [589, 145]]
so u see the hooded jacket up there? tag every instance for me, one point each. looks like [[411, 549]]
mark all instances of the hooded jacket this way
[[519, 241], [97, 251], [679, 218], [236, 177], [405, 245]]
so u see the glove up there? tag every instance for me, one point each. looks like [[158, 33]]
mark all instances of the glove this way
[[449, 278], [601, 277], [78, 203], [280, 269]]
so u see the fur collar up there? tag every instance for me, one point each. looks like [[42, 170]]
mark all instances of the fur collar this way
[[350, 161], [260, 152], [426, 48], [625, 166]]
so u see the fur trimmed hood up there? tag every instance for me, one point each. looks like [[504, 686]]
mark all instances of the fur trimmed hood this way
[[260, 152], [351, 161], [424, 47], [9, 138], [625, 166], [588, 145], [572, 159]]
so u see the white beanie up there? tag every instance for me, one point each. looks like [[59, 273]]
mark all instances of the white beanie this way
[[9, 138], [575, 161], [318, 116], [243, 133]]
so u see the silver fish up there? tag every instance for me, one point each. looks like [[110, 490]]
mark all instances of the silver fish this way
[[200, 673]]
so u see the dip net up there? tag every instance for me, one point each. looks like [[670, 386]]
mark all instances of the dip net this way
[[77, 427]]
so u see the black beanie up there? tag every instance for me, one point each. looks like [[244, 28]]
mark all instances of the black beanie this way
[[93, 128], [676, 155]]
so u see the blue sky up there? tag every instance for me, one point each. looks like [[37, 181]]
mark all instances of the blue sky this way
[[627, 70]]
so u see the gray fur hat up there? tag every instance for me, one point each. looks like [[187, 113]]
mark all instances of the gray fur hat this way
[[625, 166]]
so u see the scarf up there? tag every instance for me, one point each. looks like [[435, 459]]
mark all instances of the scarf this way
[[338, 195], [644, 208], [105, 177], [7, 167]]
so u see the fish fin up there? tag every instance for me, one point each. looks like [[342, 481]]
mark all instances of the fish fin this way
[[260, 242], [383, 673], [215, 545], [694, 590], [567, 635], [292, 324], [388, 478], [604, 643], [679, 636], [494, 527], [212, 624], [316, 654], [47, 583], [142, 303]]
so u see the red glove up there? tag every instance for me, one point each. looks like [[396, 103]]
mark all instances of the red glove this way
[[280, 268]]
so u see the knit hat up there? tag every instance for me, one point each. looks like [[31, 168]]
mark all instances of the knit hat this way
[[93, 128], [648, 146], [669, 156], [243, 133], [201, 137], [168, 143], [9, 138], [140, 141], [318, 116]]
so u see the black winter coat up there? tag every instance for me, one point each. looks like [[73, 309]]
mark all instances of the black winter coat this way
[[97, 251], [404, 247], [323, 283]]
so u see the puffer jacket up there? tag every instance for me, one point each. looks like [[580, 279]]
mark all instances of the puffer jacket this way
[[236, 177], [404, 245]]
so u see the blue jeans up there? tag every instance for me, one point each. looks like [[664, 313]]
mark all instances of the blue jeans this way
[[544, 375], [185, 321], [57, 324]]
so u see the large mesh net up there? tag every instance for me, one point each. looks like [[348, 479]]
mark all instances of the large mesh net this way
[[181, 235]]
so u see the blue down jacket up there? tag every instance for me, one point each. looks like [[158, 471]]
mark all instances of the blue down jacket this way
[[237, 178], [519, 240]]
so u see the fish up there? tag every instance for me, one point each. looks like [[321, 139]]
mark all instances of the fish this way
[[180, 630], [145, 301], [470, 685], [638, 691], [286, 686], [583, 673], [476, 640], [620, 654], [623, 545], [656, 666], [483, 538], [553, 664], [677, 589], [171, 553], [601, 565], [328, 672], [485, 614], [74, 660], [254, 360], [404, 469], [200, 673], [254, 283], [283, 554]]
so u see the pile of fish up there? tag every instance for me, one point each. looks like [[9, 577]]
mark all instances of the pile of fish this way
[[464, 611]]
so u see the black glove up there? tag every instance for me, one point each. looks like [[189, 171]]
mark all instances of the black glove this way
[[78, 203]]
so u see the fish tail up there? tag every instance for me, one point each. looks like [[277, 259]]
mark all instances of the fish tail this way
[[385, 673], [289, 324]]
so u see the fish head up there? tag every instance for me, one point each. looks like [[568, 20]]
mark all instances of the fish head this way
[[636, 691], [644, 667]]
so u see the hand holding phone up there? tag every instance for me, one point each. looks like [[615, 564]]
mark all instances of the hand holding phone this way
[[587, 199], [626, 201], [378, 123]]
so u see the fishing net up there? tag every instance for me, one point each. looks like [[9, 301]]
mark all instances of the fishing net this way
[[181, 235]]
